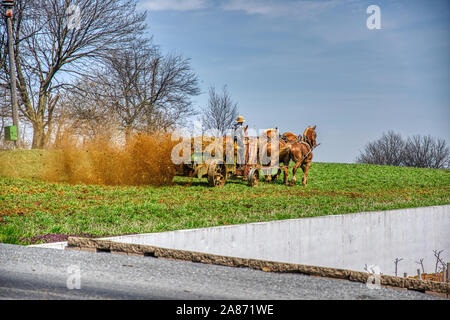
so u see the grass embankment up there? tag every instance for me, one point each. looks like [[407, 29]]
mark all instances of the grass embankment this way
[[30, 206]]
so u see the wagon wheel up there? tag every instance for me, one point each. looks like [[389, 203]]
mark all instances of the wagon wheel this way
[[217, 175], [253, 177]]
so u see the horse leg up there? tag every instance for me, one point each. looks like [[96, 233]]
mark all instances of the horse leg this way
[[286, 171], [285, 175], [277, 175], [305, 172], [294, 171]]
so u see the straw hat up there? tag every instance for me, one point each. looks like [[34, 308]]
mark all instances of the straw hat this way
[[240, 119]]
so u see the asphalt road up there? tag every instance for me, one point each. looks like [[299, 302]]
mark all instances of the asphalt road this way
[[40, 273]]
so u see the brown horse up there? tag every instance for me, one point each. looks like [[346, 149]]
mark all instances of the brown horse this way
[[298, 150], [285, 142], [301, 153], [283, 153]]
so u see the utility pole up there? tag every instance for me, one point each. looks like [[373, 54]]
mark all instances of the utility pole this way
[[9, 6]]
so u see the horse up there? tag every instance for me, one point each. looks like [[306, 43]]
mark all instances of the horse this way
[[298, 149], [283, 152], [301, 153]]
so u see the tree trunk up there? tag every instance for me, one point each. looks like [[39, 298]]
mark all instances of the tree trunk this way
[[38, 135], [128, 132]]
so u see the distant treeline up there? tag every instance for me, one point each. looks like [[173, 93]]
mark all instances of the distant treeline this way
[[416, 151]]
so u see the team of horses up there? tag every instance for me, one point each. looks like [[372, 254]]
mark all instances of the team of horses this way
[[297, 149]]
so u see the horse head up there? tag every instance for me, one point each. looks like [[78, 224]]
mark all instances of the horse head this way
[[310, 136]]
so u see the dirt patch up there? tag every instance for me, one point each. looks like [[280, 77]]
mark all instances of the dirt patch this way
[[13, 211], [320, 193]]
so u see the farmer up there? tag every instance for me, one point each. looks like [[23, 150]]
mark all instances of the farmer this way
[[238, 129], [239, 139]]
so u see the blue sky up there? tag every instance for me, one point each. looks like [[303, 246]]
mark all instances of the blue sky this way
[[297, 63]]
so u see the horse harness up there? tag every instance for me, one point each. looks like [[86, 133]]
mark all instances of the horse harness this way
[[304, 140]]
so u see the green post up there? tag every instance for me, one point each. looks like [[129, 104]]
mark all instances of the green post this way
[[11, 133]]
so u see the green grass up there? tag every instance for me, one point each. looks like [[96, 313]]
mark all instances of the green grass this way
[[29, 206]]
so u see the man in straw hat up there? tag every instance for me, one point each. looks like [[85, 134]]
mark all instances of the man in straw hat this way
[[238, 127], [239, 139]]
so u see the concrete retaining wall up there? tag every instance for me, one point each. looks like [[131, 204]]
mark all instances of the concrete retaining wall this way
[[342, 241]]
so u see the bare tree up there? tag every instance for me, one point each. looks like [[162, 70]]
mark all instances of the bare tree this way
[[172, 86], [421, 264], [437, 254], [49, 48], [426, 152], [396, 261], [5, 113], [388, 150], [83, 111], [147, 90], [220, 112], [5, 108], [417, 151]]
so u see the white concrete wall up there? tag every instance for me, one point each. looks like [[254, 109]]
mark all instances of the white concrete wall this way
[[52, 245], [346, 241]]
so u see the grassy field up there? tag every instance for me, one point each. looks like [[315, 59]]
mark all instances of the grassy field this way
[[30, 206]]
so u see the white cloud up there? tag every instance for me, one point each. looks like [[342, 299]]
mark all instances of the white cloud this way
[[300, 9], [173, 5]]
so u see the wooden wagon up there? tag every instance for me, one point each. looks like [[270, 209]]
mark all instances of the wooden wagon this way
[[217, 171]]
